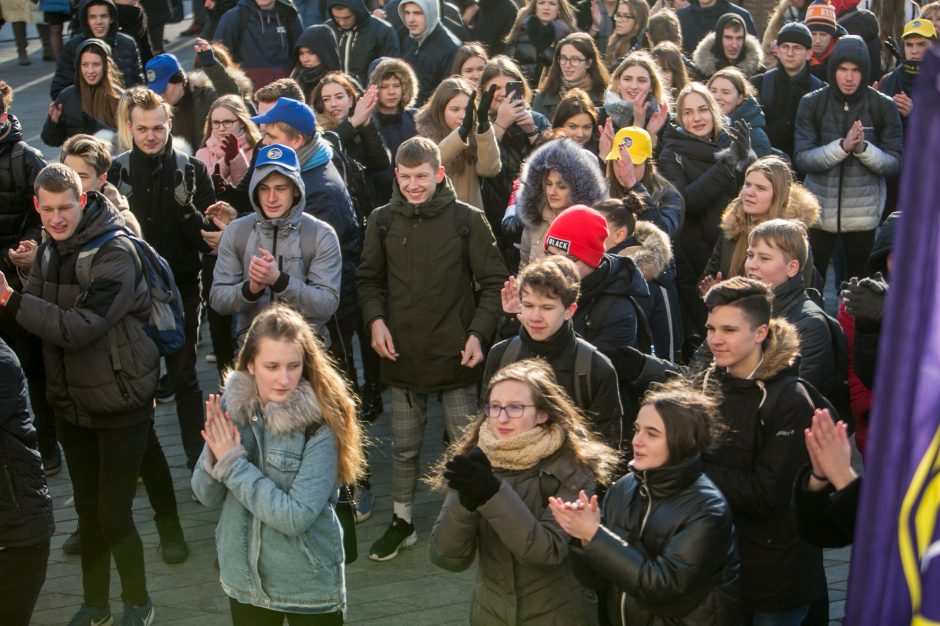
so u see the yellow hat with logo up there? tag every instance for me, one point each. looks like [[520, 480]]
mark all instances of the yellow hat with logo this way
[[923, 28], [636, 141]]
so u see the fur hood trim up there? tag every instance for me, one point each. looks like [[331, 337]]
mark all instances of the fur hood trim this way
[[653, 251], [295, 414], [404, 74], [579, 170], [781, 348], [706, 61], [802, 206]]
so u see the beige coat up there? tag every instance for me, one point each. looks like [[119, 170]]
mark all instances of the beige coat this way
[[15, 10], [467, 183]]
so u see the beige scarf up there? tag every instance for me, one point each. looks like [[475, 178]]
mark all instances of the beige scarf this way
[[522, 451]]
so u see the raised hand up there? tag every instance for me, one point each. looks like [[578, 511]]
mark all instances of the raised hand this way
[[829, 449], [467, 124], [580, 518], [707, 283], [219, 433], [509, 296], [364, 107], [483, 109], [229, 148], [55, 112]]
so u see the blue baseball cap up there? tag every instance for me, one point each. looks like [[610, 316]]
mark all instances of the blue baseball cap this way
[[282, 157], [294, 113], [160, 69]]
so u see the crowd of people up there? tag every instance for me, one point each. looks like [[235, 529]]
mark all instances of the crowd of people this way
[[597, 232]]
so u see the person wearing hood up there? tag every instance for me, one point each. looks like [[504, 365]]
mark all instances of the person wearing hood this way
[[89, 104], [729, 45], [394, 115], [532, 38], [826, 31], [423, 262], [857, 20], [919, 36], [98, 19], [429, 47], [849, 139], [780, 89], [315, 55], [263, 257], [261, 35], [701, 16], [663, 544], [104, 414], [362, 37], [557, 175]]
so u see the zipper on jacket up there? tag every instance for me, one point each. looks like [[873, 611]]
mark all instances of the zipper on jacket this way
[[9, 478], [649, 504], [120, 384]]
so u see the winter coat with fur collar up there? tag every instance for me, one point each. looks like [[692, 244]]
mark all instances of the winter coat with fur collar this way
[[755, 465], [579, 170], [279, 541], [708, 61]]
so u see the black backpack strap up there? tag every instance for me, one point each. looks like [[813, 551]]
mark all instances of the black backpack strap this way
[[382, 217], [644, 334], [18, 165], [596, 312], [511, 353], [583, 357]]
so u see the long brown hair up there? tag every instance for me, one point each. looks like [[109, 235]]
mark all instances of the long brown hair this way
[[639, 58], [430, 121], [236, 106], [349, 85], [565, 14], [550, 398], [668, 56], [337, 402], [100, 101], [597, 71], [619, 45], [691, 417]]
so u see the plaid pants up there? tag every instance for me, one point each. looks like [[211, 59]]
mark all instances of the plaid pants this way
[[409, 418]]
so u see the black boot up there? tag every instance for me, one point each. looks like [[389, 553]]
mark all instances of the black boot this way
[[73, 545], [47, 54], [172, 544], [371, 407], [51, 458], [19, 33]]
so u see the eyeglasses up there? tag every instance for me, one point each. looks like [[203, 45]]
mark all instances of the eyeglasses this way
[[513, 410], [571, 60], [223, 123], [623, 16]]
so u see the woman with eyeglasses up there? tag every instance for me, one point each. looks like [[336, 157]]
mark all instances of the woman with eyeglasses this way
[[630, 20], [576, 63], [529, 443], [231, 137], [531, 42], [663, 544]]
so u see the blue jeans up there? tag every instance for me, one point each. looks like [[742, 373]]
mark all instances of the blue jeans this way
[[789, 617]]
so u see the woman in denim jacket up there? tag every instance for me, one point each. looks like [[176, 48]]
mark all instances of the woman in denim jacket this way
[[274, 458]]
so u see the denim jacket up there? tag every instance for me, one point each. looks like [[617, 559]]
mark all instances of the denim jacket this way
[[279, 541]]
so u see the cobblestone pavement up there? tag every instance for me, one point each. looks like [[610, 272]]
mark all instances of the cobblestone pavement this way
[[408, 590]]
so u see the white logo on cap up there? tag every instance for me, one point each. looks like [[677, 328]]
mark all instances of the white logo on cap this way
[[275, 153], [561, 244], [151, 76], [627, 142]]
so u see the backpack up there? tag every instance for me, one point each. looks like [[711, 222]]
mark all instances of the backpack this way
[[282, 8], [354, 173], [164, 324], [768, 87], [816, 397], [383, 219], [597, 311], [122, 163], [583, 358], [839, 394], [307, 250]]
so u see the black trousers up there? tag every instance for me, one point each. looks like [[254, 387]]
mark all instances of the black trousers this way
[[23, 571], [181, 369], [155, 471], [104, 464], [249, 615], [857, 246]]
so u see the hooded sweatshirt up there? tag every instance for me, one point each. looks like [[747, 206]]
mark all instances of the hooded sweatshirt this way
[[369, 39], [696, 22], [321, 41], [125, 52], [431, 53], [268, 38], [310, 287]]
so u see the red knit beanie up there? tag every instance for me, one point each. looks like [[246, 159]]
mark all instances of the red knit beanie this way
[[579, 231]]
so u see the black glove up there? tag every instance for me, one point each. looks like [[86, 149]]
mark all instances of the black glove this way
[[467, 125], [629, 363], [742, 139], [511, 223], [483, 111], [219, 183], [865, 298], [206, 57], [472, 477], [184, 189]]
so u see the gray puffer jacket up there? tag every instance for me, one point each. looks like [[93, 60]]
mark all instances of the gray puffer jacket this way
[[310, 286], [88, 384], [850, 187], [524, 573]]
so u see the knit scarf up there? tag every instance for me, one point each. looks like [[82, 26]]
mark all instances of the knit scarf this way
[[522, 451], [585, 82]]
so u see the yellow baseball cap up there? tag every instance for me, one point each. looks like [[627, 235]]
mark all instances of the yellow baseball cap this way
[[924, 28], [637, 142]]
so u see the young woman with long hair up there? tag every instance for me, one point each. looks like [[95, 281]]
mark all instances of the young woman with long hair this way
[[530, 442], [534, 34], [576, 116], [230, 138], [663, 545], [576, 63], [630, 19], [672, 69], [737, 100], [635, 97], [469, 150], [469, 61], [281, 440], [89, 104]]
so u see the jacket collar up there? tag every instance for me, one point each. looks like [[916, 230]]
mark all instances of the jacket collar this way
[[295, 414], [443, 197], [662, 482]]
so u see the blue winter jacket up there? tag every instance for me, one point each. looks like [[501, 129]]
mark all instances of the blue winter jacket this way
[[279, 541], [268, 38]]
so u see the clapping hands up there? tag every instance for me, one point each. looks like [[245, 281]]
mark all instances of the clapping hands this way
[[220, 434], [580, 518]]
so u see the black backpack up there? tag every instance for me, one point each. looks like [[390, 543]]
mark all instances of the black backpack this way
[[583, 358], [285, 10], [355, 175], [597, 311], [383, 219]]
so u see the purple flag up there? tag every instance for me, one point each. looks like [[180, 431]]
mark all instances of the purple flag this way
[[895, 571]]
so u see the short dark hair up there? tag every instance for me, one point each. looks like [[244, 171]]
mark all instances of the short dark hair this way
[[281, 88], [58, 178], [753, 297], [552, 277], [622, 213], [691, 417], [417, 151]]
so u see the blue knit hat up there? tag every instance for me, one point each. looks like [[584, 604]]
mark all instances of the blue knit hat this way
[[294, 113]]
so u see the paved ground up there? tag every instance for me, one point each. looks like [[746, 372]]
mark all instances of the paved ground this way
[[407, 591]]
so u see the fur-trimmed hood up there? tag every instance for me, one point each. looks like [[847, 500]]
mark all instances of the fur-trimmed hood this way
[[403, 72], [802, 206], [621, 111], [652, 252], [707, 61], [579, 170], [781, 350], [295, 414]]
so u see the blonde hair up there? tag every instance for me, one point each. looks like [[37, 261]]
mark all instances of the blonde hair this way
[[642, 59], [550, 398], [236, 106], [337, 402], [788, 236], [718, 122]]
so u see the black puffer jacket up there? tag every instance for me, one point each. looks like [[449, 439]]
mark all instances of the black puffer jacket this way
[[817, 359], [610, 287], [667, 547], [431, 55], [18, 218], [368, 40], [79, 324], [124, 52], [25, 506], [321, 40], [492, 24]]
